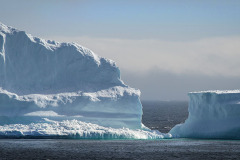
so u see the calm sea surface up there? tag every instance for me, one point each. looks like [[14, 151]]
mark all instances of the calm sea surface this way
[[163, 116], [157, 115]]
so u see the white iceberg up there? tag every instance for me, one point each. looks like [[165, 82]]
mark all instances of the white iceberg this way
[[51, 89], [60, 81], [212, 114]]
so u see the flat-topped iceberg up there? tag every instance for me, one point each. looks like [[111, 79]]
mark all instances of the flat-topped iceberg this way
[[63, 82], [212, 114]]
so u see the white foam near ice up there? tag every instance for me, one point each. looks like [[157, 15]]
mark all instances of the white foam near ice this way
[[76, 129]]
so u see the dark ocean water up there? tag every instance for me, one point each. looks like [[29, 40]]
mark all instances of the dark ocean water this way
[[164, 115], [119, 149], [157, 115]]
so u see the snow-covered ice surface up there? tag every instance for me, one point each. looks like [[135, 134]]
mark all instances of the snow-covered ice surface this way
[[78, 91], [212, 114]]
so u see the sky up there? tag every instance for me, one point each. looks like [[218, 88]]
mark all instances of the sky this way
[[164, 48]]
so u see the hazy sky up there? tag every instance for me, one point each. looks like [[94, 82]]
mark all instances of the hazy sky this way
[[165, 48]]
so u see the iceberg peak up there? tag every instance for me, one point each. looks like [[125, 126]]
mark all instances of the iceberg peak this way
[[5, 29], [34, 65], [44, 78]]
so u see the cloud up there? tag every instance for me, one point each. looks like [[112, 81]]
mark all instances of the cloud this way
[[210, 56], [168, 70], [161, 85]]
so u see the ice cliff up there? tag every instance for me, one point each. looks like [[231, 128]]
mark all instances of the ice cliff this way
[[212, 114], [51, 89], [42, 79]]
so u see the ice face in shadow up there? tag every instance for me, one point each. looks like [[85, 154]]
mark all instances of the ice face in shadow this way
[[65, 81], [212, 114]]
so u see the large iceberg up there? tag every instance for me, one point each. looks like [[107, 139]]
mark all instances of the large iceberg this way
[[50, 89], [212, 114], [44, 83]]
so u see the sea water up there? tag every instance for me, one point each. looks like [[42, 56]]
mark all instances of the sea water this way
[[164, 115], [157, 115]]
